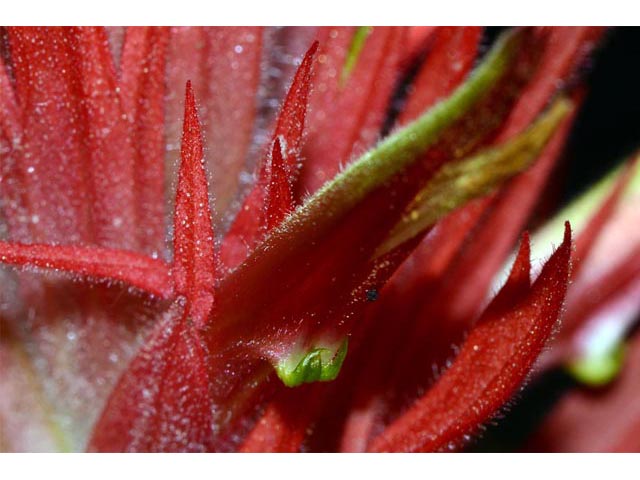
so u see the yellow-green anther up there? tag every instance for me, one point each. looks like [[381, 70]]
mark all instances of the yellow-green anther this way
[[357, 44], [317, 365], [598, 368]]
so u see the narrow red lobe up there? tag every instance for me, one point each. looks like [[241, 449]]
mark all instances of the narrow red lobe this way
[[194, 264]]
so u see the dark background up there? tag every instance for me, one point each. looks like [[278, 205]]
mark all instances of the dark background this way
[[608, 127]]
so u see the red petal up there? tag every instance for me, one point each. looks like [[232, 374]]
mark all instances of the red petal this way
[[194, 257], [492, 364], [141, 272], [223, 64], [161, 403], [142, 91]]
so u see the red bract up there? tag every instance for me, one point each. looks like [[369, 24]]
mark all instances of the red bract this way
[[345, 264]]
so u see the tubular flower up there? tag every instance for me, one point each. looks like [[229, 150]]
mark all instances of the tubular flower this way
[[158, 297]]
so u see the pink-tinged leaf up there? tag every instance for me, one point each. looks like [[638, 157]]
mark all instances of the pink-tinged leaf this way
[[352, 109], [147, 274], [223, 64], [194, 264], [142, 91], [80, 336], [251, 223], [161, 403], [591, 296], [9, 111], [492, 363], [590, 234], [75, 148], [448, 62], [596, 420]]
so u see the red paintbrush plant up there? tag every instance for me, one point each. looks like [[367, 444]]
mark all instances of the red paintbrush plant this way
[[310, 317]]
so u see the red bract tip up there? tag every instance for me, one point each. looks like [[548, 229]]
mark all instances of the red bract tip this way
[[492, 364], [194, 256], [251, 223], [279, 200]]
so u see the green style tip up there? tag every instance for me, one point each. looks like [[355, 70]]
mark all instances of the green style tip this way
[[317, 365]]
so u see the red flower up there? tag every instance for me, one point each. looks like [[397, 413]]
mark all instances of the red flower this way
[[311, 318]]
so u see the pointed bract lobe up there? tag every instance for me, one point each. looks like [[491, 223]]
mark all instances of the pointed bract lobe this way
[[161, 402], [252, 223], [474, 264], [194, 263], [279, 196], [492, 364]]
